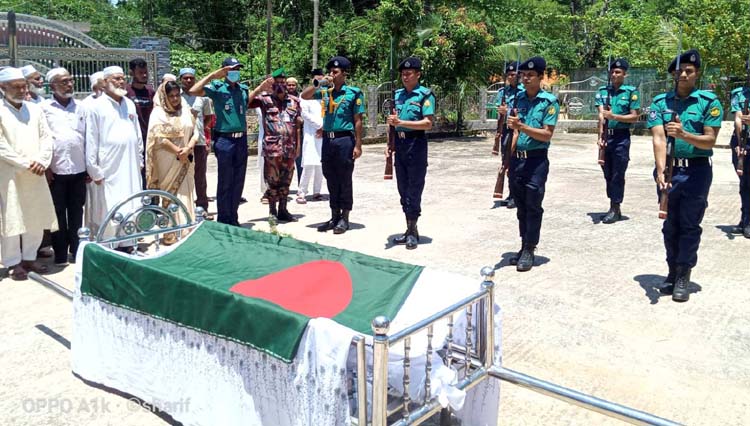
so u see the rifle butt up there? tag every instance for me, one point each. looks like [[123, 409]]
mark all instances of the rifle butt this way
[[740, 165], [663, 204], [602, 158], [496, 146], [388, 174], [499, 184]]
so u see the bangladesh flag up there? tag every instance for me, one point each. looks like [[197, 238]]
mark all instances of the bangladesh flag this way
[[252, 287]]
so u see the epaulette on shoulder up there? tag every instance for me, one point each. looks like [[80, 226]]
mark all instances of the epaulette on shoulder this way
[[707, 95], [660, 97], [737, 90], [426, 91], [354, 89]]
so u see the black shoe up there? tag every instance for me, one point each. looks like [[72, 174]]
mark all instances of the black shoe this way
[[343, 223], [243, 200], [284, 215], [682, 282], [402, 238], [746, 231], [613, 215], [411, 242], [272, 211], [667, 287], [412, 234], [514, 259], [526, 260], [511, 204], [739, 229], [335, 216]]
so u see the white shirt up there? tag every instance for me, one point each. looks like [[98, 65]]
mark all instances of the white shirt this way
[[197, 107], [68, 126], [311, 145]]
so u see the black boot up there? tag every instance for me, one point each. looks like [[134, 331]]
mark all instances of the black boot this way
[[746, 231], [335, 216], [284, 215], [511, 203], [343, 224], [412, 234], [514, 259], [667, 287], [402, 238], [613, 215], [526, 260], [682, 282], [739, 229], [272, 212]]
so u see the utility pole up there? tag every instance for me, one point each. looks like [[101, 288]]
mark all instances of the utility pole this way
[[316, 18], [269, 16]]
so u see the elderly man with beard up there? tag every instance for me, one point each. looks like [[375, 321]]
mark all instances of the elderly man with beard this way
[[97, 86], [281, 122], [25, 153], [36, 84], [67, 172], [113, 150]]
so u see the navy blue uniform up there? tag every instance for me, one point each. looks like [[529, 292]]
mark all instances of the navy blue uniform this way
[[530, 166], [739, 98], [617, 152], [411, 148], [692, 173]]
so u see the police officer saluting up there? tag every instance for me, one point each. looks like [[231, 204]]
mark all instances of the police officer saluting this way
[[694, 127], [343, 107], [415, 110], [534, 126], [503, 101], [624, 102]]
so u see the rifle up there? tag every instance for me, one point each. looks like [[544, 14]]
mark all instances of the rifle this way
[[500, 122], [508, 151], [389, 107], [745, 132], [607, 107], [669, 167]]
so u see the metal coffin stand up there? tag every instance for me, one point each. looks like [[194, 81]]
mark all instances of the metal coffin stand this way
[[474, 360]]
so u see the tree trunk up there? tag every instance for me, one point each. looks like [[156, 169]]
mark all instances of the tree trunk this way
[[316, 16], [269, 16]]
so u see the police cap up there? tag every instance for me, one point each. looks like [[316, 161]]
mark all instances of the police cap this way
[[410, 63], [231, 62], [338, 62], [511, 67], [690, 57], [620, 63], [537, 63]]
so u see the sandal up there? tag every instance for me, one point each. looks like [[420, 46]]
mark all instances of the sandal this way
[[317, 197], [18, 273], [301, 199], [32, 266], [264, 200]]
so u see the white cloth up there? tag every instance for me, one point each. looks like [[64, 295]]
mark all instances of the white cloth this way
[[26, 199], [89, 99], [20, 247], [35, 99], [316, 172], [311, 145], [113, 153], [10, 74], [95, 78], [197, 106], [28, 70], [68, 127], [109, 71], [54, 72], [164, 363]]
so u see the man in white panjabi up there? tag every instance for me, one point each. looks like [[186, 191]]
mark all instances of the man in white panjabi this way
[[97, 86], [312, 143], [113, 152], [36, 84], [26, 148]]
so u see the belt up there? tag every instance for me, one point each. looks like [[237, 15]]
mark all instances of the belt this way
[[231, 135], [692, 162], [534, 153], [612, 132], [411, 135], [333, 135]]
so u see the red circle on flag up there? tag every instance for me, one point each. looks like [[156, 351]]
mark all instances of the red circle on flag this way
[[322, 288]]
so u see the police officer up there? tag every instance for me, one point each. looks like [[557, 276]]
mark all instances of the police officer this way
[[415, 110], [740, 101], [624, 105], [534, 126], [697, 120], [343, 107], [504, 101], [230, 102]]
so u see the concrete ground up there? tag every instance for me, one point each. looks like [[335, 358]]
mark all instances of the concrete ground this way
[[588, 316]]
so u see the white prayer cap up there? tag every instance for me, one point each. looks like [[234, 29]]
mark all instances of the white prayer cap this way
[[28, 70], [169, 77], [109, 71], [54, 72], [10, 74], [96, 77]]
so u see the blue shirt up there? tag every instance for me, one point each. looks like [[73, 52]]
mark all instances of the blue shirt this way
[[414, 105], [538, 112], [701, 108], [622, 101]]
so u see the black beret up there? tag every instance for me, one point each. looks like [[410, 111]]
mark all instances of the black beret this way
[[690, 57], [510, 67], [621, 63], [338, 62], [410, 63], [316, 71], [537, 63]]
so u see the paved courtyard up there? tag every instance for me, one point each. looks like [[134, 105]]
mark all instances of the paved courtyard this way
[[588, 316]]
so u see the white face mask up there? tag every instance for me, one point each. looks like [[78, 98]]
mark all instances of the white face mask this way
[[233, 76]]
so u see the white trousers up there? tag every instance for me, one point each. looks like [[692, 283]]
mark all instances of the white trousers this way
[[316, 172], [20, 247]]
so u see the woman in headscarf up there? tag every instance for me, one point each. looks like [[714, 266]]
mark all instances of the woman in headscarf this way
[[169, 149]]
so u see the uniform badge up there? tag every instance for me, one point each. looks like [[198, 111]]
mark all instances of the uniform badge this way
[[634, 97], [335, 63], [531, 65], [692, 58], [131, 116], [617, 64], [551, 110], [652, 115], [359, 101], [407, 64], [427, 103], [715, 112]]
